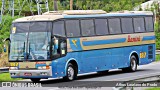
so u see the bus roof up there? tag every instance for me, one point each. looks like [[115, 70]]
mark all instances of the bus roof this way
[[54, 15]]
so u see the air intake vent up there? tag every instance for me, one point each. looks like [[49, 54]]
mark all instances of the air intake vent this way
[[150, 52]]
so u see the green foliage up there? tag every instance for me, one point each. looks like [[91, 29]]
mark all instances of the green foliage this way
[[155, 88], [158, 57], [5, 77], [5, 28], [157, 32], [107, 5]]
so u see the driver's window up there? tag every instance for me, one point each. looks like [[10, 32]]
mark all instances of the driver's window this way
[[63, 48], [55, 46], [59, 47]]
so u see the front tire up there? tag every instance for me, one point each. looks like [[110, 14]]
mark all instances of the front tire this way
[[35, 79], [133, 65], [71, 73]]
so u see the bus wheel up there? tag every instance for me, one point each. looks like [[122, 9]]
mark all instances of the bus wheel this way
[[133, 65], [35, 79], [71, 73]]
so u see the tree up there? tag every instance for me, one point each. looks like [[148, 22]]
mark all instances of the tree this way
[[71, 4], [55, 5]]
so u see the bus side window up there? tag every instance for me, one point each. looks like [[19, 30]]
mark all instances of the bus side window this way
[[87, 27], [139, 25], [149, 24], [127, 25], [69, 34], [114, 25], [72, 28], [58, 28], [101, 26]]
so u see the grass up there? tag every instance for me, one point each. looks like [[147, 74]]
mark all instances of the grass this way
[[5, 77], [156, 88], [158, 57]]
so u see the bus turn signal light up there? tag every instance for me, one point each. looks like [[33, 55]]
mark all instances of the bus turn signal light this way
[[44, 67], [47, 67]]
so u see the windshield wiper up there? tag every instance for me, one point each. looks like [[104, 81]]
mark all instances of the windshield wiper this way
[[30, 52], [22, 52]]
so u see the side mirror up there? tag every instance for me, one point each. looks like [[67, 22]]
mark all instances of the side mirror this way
[[7, 39], [4, 47]]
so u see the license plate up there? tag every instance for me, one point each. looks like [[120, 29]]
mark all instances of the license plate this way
[[27, 74]]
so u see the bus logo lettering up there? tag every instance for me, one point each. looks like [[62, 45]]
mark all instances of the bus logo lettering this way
[[134, 39], [75, 42]]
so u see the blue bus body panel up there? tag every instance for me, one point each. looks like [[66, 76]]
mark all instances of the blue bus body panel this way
[[104, 59], [100, 59]]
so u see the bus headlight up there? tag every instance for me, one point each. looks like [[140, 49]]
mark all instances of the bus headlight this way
[[13, 68], [43, 67]]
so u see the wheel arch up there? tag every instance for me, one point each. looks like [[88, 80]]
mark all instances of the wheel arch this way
[[73, 62], [136, 55]]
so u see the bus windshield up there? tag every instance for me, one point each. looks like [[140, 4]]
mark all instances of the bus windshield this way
[[30, 43]]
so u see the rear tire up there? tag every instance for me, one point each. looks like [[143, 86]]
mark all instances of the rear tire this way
[[35, 79], [71, 73], [133, 65]]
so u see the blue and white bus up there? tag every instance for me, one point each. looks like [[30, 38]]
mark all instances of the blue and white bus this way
[[67, 43]]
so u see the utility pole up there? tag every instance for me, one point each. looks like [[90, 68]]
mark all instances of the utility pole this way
[[2, 10], [55, 5], [40, 6], [12, 8], [71, 4]]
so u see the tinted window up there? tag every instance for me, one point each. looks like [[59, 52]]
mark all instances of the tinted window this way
[[114, 26], [139, 25], [72, 28], [149, 23], [20, 27], [101, 26], [87, 27], [38, 26], [58, 28], [127, 25]]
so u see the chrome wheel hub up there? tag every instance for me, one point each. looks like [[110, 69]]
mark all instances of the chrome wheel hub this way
[[70, 73], [133, 65]]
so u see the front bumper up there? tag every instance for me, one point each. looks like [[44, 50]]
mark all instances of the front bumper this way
[[31, 73]]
